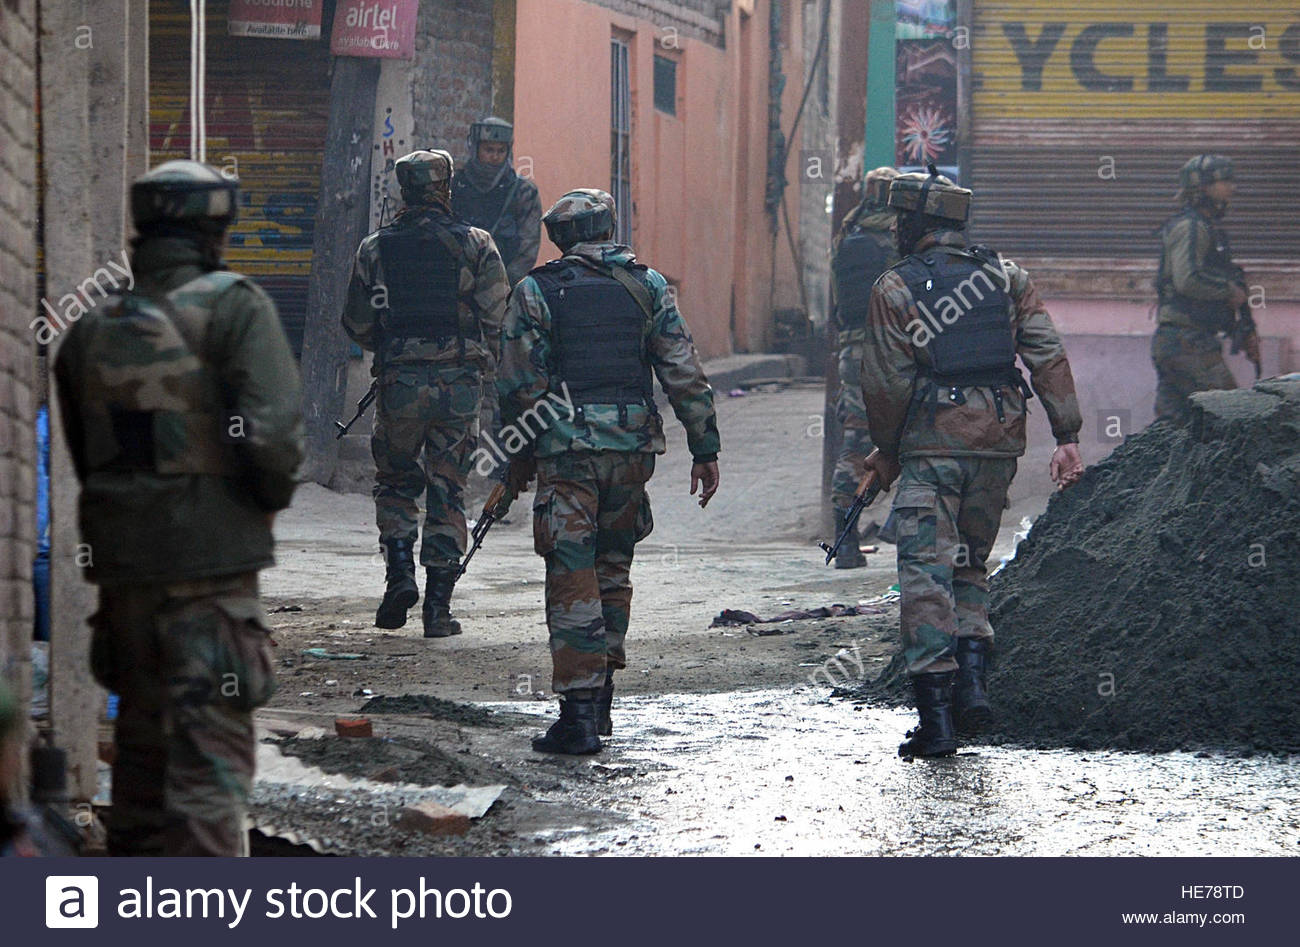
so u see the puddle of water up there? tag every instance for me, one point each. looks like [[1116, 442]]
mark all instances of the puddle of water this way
[[791, 773]]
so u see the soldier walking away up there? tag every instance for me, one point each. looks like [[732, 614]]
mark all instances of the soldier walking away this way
[[427, 296], [588, 330], [863, 250], [490, 195], [181, 406], [1202, 292], [947, 407]]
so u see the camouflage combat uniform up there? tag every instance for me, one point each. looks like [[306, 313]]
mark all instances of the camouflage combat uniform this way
[[1195, 284], [429, 390], [958, 456], [849, 408], [591, 506], [175, 512], [511, 210]]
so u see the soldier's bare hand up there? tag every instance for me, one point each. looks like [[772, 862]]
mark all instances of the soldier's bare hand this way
[[1251, 347], [520, 474], [706, 474], [886, 468], [1066, 466]]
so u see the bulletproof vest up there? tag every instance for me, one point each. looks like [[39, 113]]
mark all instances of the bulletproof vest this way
[[422, 276], [148, 401], [978, 348], [1216, 316], [598, 329], [862, 256], [489, 211]]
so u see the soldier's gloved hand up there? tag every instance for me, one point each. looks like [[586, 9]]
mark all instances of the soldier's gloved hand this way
[[1238, 297], [886, 468], [520, 474], [706, 474], [1066, 466]]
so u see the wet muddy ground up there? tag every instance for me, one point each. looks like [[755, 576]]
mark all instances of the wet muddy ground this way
[[723, 743]]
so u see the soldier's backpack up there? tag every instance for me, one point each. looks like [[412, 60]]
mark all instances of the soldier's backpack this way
[[860, 259], [600, 318], [977, 347], [148, 401]]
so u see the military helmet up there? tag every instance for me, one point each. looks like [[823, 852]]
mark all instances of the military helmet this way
[[876, 187], [187, 193], [1205, 169], [490, 129], [582, 214], [931, 194], [422, 171]]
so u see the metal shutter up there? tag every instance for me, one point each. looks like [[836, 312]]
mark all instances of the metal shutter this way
[[268, 108], [1145, 85]]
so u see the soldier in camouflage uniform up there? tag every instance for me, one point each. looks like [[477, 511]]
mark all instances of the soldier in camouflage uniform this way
[[1202, 292], [487, 193], [582, 336], [947, 404], [181, 406], [863, 250], [427, 296]]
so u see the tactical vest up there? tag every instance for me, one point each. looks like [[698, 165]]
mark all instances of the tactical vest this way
[[598, 329], [422, 267], [491, 211], [149, 402], [978, 348], [860, 259], [1216, 316]]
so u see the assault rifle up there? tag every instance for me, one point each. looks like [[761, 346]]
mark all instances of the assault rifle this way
[[364, 403], [1243, 327], [1242, 330], [498, 502], [868, 490]]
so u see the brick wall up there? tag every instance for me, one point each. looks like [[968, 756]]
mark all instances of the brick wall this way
[[698, 19], [17, 357], [453, 68]]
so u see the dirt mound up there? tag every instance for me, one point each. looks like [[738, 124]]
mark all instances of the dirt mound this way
[[394, 760], [1154, 605], [435, 707]]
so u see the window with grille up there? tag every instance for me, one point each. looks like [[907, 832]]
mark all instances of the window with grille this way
[[666, 85]]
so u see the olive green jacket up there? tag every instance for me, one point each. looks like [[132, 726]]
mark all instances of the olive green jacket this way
[[141, 526]]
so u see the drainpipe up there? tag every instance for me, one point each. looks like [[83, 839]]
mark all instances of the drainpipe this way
[[776, 152], [878, 145]]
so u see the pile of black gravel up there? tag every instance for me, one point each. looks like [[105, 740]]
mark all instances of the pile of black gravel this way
[[1155, 605]]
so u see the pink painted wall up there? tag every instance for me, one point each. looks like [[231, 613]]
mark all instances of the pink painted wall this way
[[698, 194]]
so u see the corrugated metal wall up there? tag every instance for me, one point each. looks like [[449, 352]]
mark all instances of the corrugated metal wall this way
[[267, 112], [1083, 114]]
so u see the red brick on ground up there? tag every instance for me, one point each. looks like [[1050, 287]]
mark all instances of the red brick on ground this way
[[353, 727], [432, 818]]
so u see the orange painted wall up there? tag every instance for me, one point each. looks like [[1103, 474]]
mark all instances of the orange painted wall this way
[[698, 195]]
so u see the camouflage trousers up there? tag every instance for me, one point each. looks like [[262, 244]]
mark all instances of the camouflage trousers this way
[[945, 519], [426, 431], [590, 511], [852, 414], [189, 661], [1187, 360]]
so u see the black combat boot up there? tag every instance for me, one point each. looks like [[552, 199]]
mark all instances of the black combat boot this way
[[605, 706], [934, 737], [970, 699], [402, 592], [850, 556], [575, 732], [438, 622]]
